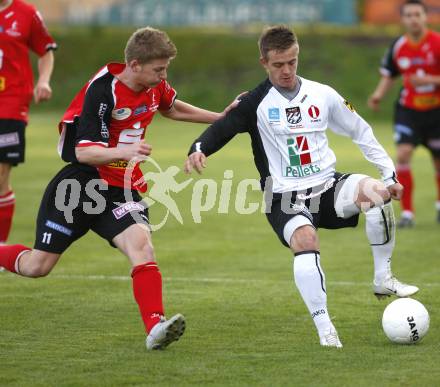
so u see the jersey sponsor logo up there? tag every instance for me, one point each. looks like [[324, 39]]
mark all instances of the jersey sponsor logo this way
[[126, 208], [122, 164], [58, 227], [274, 114], [293, 115], [140, 109], [418, 61], [2, 83], [300, 159], [131, 135], [9, 139], [404, 63], [121, 114], [349, 106], [422, 101], [314, 113]]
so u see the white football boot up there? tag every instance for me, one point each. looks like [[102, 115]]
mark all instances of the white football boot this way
[[391, 286], [330, 338], [165, 332]]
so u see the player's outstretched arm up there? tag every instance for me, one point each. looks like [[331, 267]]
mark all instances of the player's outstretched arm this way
[[424, 80], [237, 120], [183, 111], [98, 155], [197, 161]]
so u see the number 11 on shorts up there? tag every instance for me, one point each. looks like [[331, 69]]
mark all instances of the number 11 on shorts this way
[[46, 237]]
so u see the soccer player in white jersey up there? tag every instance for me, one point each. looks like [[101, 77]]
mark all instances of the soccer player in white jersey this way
[[287, 118]]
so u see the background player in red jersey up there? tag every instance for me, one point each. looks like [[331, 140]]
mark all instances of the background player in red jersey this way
[[21, 29], [102, 135], [415, 56]]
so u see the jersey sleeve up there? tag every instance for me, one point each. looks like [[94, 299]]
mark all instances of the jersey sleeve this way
[[95, 117], [344, 120], [167, 98], [239, 120], [388, 66], [40, 40]]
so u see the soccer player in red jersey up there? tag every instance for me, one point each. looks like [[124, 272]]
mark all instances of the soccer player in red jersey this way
[[102, 135], [21, 29], [415, 56]]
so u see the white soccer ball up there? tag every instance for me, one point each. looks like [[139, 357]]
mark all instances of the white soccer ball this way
[[405, 321]]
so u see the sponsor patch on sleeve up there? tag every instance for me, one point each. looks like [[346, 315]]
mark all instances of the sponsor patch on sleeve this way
[[349, 106]]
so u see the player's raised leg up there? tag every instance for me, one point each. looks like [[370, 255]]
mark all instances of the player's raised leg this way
[[26, 262], [135, 243], [363, 193], [309, 276]]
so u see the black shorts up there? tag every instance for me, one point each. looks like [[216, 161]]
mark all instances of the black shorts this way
[[415, 127], [320, 209], [12, 143], [76, 201]]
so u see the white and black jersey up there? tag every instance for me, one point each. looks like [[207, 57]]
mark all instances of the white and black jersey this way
[[289, 139]]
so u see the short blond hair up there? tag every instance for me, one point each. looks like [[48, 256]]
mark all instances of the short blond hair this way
[[147, 44]]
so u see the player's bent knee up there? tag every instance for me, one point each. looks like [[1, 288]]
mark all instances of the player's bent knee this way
[[304, 238], [38, 264], [347, 195], [141, 254], [293, 224], [372, 193]]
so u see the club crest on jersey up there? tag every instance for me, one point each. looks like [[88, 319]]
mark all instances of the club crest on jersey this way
[[293, 115], [13, 31], [121, 114]]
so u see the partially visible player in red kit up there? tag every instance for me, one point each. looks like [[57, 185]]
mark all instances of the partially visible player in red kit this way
[[21, 29], [102, 135], [415, 56]]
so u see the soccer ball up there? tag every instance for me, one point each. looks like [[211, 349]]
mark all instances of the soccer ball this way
[[405, 321]]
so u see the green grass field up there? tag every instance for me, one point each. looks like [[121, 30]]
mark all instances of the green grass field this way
[[230, 277]]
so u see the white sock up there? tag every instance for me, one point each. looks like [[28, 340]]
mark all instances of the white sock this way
[[407, 214], [380, 227], [310, 281]]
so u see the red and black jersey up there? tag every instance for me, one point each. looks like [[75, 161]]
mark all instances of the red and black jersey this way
[[21, 29], [406, 57], [107, 113]]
